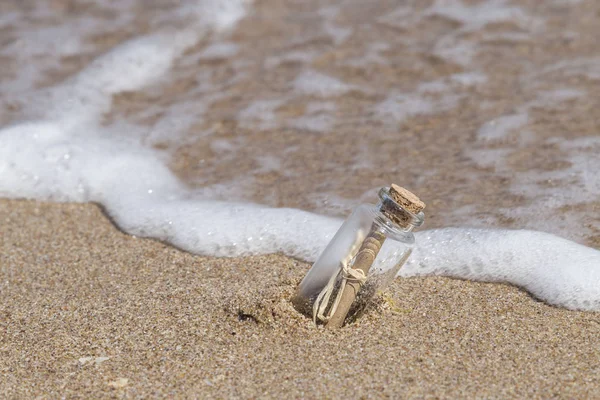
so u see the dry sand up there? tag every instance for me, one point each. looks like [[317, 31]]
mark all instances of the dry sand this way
[[90, 312]]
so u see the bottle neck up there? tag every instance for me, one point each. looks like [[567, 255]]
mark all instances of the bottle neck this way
[[391, 229], [384, 218], [396, 215]]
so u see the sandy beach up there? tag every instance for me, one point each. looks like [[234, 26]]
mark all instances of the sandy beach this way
[[90, 312], [488, 110]]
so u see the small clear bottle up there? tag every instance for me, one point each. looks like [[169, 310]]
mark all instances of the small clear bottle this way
[[362, 259]]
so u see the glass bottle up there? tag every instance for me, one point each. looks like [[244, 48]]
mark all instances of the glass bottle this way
[[362, 259]]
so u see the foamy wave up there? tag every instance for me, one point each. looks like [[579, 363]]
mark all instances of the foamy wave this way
[[68, 156], [553, 269]]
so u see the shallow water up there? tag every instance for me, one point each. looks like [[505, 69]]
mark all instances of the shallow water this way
[[166, 113]]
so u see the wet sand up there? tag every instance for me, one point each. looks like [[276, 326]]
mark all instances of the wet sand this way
[[90, 312]]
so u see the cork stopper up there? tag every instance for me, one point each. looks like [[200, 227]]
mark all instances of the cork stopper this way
[[408, 200], [402, 207]]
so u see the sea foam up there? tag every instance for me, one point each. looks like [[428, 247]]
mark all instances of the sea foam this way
[[553, 269], [62, 152], [66, 155]]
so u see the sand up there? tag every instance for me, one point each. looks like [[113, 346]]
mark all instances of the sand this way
[[90, 312]]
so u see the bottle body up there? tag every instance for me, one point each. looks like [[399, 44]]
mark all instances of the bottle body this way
[[368, 231]]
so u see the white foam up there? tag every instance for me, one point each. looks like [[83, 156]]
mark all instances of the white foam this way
[[473, 78], [337, 33], [56, 39], [219, 51], [296, 56], [268, 163], [214, 14], [457, 46], [371, 56], [313, 123], [547, 192], [474, 17], [70, 158], [314, 83], [586, 67], [555, 270], [551, 191], [223, 146], [554, 98], [260, 114], [398, 17], [432, 87], [428, 98], [401, 106], [320, 106], [500, 127]]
